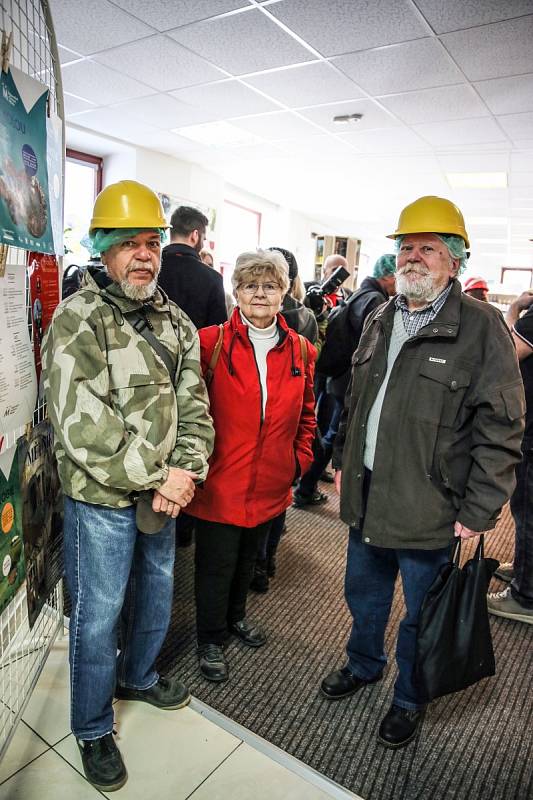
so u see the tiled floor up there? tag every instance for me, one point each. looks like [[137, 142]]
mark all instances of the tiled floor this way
[[174, 754]]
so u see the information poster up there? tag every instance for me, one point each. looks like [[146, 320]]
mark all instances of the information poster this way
[[43, 272], [11, 549], [25, 216], [18, 384], [42, 516]]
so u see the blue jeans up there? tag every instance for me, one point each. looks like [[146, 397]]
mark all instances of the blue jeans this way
[[369, 587], [522, 511], [116, 576]]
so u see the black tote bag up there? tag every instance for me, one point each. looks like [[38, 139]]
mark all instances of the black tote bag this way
[[454, 644]]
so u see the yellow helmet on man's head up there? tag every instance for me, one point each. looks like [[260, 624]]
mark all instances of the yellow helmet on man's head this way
[[127, 204], [431, 215]]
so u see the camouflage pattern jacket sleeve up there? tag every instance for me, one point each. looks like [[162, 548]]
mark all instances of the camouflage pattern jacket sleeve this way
[[117, 418]]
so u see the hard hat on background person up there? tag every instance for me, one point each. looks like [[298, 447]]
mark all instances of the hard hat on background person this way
[[475, 283], [127, 204], [431, 214]]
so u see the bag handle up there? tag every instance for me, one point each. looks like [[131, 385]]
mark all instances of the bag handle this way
[[210, 371], [303, 350], [478, 555]]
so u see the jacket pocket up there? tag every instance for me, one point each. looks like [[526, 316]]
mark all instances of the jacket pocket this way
[[440, 392], [514, 402]]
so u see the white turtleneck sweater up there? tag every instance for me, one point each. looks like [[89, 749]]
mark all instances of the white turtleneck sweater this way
[[263, 340]]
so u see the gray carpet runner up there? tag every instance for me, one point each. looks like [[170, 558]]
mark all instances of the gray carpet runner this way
[[475, 745]]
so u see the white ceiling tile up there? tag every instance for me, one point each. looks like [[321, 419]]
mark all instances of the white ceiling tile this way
[[162, 63], [99, 84], [90, 25], [322, 147], [343, 26], [67, 56], [387, 140], [454, 15], [166, 142], [493, 51], [508, 95], [520, 180], [412, 65], [280, 125], [123, 126], [163, 111], [73, 105], [522, 161], [518, 126], [434, 105], [480, 162], [373, 116], [227, 99], [460, 132], [166, 14], [242, 43], [306, 85]]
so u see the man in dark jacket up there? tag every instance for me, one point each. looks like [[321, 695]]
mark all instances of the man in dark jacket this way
[[297, 316], [373, 292], [428, 443], [192, 285]]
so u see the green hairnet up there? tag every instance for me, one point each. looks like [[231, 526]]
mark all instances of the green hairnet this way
[[385, 266], [455, 244], [100, 240]]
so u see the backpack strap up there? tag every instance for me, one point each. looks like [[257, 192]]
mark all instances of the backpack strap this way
[[141, 325], [303, 349], [210, 371]]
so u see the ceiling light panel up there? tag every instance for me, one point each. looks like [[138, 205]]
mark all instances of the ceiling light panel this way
[[89, 27], [421, 64], [161, 63], [344, 27], [493, 51], [242, 43], [306, 85], [281, 125]]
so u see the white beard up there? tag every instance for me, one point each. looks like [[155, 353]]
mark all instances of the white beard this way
[[417, 285], [136, 292]]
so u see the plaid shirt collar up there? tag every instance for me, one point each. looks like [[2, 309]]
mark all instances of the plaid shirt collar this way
[[415, 320]]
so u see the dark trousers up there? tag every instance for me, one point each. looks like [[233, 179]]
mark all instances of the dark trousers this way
[[224, 560], [522, 511], [371, 574], [268, 542], [322, 452]]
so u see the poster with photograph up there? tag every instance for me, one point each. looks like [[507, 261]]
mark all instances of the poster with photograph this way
[[42, 516], [43, 271], [18, 384], [25, 218], [11, 549]]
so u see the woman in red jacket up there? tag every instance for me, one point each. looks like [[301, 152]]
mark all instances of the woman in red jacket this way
[[262, 405]]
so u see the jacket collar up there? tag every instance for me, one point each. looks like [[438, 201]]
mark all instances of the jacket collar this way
[[238, 326], [445, 323], [179, 249]]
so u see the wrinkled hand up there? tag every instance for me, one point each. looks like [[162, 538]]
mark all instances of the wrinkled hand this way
[[524, 301], [338, 476], [161, 503], [179, 487], [463, 532]]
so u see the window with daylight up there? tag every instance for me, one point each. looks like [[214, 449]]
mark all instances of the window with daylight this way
[[239, 231], [83, 181]]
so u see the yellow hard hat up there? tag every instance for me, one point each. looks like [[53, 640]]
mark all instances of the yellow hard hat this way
[[127, 204], [431, 215]]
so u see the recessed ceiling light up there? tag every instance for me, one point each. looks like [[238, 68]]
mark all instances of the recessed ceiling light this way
[[477, 180], [344, 119], [218, 134]]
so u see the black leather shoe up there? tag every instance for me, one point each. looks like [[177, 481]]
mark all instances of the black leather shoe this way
[[167, 693], [399, 726], [102, 763], [343, 683], [248, 633], [212, 662]]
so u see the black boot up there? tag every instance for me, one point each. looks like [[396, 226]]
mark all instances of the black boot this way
[[259, 582], [102, 763]]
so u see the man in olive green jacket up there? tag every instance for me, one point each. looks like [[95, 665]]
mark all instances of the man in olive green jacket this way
[[132, 434], [426, 449]]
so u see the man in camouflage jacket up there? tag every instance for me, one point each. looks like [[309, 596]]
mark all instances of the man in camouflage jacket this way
[[122, 427]]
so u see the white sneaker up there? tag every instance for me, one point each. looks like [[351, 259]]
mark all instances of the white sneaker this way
[[502, 604]]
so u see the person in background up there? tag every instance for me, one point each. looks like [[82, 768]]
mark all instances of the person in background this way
[[206, 257], [262, 403], [477, 288], [516, 601], [130, 414], [426, 450], [297, 316], [373, 292], [192, 285]]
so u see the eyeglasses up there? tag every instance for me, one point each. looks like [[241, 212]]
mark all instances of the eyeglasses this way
[[252, 288]]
